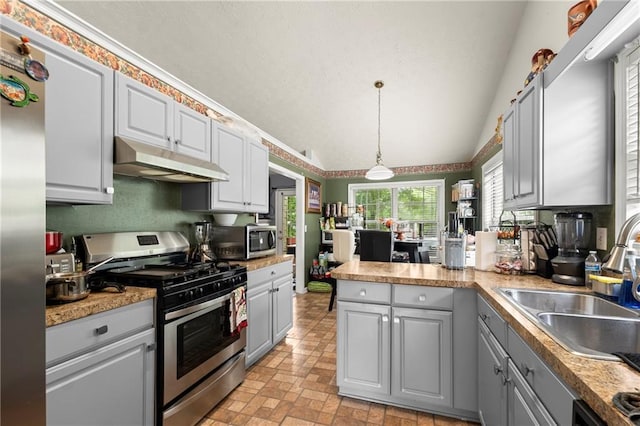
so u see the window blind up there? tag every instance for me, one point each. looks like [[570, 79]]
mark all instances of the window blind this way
[[492, 195], [631, 130]]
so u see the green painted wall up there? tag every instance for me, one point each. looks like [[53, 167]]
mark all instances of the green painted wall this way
[[138, 205]]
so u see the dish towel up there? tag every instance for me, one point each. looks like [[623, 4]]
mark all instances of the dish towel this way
[[629, 404], [238, 310]]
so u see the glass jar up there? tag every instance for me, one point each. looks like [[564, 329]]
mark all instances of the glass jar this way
[[508, 259]]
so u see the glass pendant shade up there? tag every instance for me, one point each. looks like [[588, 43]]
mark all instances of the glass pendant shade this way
[[379, 171]]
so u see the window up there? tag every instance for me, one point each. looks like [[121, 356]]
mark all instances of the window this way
[[493, 196], [412, 201], [627, 74]]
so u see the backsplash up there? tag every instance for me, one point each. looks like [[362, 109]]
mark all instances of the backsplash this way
[[138, 205]]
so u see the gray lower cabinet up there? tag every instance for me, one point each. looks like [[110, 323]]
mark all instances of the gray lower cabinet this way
[[364, 356], [410, 346], [422, 355], [100, 369], [515, 387], [269, 308], [78, 123]]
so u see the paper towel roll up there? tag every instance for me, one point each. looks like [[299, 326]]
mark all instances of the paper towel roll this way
[[486, 243]]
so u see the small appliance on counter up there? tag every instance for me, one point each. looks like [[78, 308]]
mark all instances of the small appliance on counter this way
[[202, 252], [243, 242], [573, 231]]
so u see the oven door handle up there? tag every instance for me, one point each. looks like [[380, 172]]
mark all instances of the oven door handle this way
[[199, 307]]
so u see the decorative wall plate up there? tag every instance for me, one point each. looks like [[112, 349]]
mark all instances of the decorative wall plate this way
[[36, 70], [17, 91]]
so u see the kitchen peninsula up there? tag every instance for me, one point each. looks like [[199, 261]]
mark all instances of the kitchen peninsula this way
[[593, 381]]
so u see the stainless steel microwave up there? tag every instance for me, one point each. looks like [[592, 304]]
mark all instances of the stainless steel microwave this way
[[243, 242]]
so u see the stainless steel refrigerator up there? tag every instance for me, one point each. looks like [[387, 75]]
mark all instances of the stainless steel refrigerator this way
[[22, 226]]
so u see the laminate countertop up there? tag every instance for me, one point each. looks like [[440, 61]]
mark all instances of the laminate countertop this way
[[96, 302], [595, 381], [262, 262]]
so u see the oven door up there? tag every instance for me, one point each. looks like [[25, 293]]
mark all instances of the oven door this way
[[197, 340]]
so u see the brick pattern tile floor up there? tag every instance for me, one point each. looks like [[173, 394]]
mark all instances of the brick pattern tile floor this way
[[295, 383]]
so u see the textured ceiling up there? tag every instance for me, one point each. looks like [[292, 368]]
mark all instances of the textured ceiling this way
[[304, 71]]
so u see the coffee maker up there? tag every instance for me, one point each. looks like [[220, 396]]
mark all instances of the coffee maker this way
[[574, 233], [202, 252]]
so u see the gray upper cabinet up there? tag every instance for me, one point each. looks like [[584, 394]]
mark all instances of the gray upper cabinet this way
[[78, 123], [146, 115], [246, 161], [192, 133], [565, 113], [522, 144], [143, 113]]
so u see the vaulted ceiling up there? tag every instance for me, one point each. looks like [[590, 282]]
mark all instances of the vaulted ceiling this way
[[304, 71]]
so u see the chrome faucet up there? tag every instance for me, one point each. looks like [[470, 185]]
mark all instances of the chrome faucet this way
[[618, 253]]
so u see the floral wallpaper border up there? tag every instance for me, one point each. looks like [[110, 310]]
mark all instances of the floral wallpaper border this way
[[43, 24]]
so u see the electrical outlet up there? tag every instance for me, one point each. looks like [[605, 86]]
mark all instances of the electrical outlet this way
[[601, 238]]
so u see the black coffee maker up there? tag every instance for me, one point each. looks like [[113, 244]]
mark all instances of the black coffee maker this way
[[574, 234]]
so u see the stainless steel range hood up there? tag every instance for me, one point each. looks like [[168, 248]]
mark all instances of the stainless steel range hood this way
[[141, 160]]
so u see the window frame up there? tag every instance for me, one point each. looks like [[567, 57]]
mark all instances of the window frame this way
[[489, 165], [394, 186]]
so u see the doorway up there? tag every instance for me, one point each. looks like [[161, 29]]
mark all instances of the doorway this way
[[286, 221], [297, 193]]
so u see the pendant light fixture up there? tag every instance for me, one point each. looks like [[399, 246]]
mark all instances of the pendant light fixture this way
[[379, 171]]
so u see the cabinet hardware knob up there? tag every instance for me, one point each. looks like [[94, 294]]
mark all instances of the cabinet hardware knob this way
[[101, 330], [169, 138], [484, 317], [109, 190], [422, 298], [396, 320], [363, 292], [385, 318], [151, 347], [177, 141], [526, 369], [505, 380], [273, 272], [497, 369]]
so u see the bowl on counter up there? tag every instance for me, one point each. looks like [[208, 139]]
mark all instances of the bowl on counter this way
[[225, 219]]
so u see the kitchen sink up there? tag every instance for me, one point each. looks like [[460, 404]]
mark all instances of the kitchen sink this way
[[536, 301], [593, 336], [584, 324]]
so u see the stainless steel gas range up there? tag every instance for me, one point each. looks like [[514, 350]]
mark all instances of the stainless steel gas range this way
[[199, 322]]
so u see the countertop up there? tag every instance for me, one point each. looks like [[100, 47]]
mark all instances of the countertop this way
[[262, 262], [595, 381], [96, 302]]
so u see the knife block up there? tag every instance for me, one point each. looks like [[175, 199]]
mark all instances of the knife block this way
[[544, 268]]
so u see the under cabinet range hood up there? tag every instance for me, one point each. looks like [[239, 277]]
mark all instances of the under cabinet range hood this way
[[141, 160]]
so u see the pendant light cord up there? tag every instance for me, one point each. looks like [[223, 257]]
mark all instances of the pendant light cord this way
[[378, 84]]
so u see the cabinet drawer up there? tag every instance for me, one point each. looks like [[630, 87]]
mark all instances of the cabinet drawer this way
[[557, 398], [494, 321], [268, 273], [362, 291], [75, 337], [423, 297]]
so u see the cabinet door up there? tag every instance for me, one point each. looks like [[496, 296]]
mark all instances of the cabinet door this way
[[113, 385], [229, 153], [528, 145], [192, 133], [363, 351], [282, 307], [525, 408], [492, 391], [422, 356], [143, 113], [259, 319], [258, 177], [508, 158], [78, 126]]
